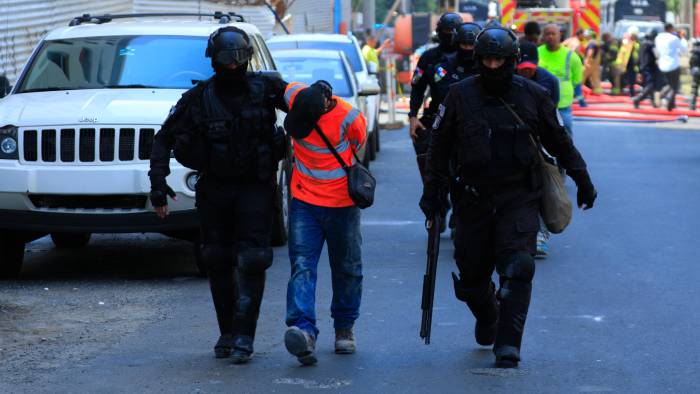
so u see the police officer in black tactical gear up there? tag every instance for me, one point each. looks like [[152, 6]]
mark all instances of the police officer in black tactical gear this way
[[497, 213], [446, 31], [225, 128], [450, 69]]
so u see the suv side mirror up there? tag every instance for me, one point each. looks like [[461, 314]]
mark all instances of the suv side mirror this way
[[372, 67], [369, 89]]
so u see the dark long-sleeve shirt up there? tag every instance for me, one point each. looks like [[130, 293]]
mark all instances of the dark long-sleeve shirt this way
[[421, 76]]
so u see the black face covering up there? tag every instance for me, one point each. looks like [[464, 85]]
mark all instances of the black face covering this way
[[446, 44], [465, 58], [496, 81], [231, 81]]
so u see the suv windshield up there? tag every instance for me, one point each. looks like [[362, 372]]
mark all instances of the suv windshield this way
[[164, 62], [310, 70], [348, 48]]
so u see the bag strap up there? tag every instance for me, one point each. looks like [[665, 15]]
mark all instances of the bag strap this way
[[522, 123], [332, 148]]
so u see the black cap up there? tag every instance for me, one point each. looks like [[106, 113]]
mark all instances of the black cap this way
[[307, 109], [528, 54]]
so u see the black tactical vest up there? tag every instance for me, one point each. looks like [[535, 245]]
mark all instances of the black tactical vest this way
[[491, 142], [239, 140]]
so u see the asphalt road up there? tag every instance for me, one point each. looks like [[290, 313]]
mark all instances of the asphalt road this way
[[615, 306]]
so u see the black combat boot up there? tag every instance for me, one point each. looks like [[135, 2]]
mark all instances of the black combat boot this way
[[514, 302], [250, 293], [223, 346], [242, 349], [482, 302]]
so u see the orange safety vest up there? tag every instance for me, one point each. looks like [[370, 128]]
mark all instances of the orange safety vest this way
[[318, 178]]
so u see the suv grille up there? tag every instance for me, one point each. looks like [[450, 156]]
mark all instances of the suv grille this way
[[63, 201], [87, 145]]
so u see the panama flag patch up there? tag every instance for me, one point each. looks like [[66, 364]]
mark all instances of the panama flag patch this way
[[440, 74], [417, 75]]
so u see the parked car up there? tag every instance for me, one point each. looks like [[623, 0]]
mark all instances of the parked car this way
[[311, 65], [77, 128], [366, 77]]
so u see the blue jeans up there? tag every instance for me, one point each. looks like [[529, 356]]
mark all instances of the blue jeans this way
[[568, 117], [309, 227]]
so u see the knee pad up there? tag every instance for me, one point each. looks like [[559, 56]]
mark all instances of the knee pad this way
[[254, 260], [518, 267], [217, 256]]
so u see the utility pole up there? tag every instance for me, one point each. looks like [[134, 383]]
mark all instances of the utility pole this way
[[368, 16]]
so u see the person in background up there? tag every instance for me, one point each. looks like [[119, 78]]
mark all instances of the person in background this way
[[527, 68], [695, 72], [370, 51], [532, 33], [591, 63], [649, 70], [575, 43], [609, 48], [669, 48], [561, 62]]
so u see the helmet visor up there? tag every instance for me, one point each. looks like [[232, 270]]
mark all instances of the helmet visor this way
[[233, 56]]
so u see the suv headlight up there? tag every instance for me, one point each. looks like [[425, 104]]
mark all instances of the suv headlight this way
[[8, 143]]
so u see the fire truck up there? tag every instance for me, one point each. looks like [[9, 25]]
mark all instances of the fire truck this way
[[571, 15]]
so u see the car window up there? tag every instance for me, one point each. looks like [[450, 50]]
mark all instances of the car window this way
[[256, 61], [118, 62], [265, 54], [349, 48], [309, 70]]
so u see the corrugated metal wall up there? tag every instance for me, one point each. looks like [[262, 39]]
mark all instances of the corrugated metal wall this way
[[312, 16], [24, 22], [260, 16]]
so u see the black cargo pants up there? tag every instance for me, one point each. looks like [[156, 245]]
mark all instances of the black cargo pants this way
[[236, 222], [497, 229]]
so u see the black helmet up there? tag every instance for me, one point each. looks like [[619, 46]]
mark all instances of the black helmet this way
[[496, 42], [447, 30], [229, 45], [467, 32]]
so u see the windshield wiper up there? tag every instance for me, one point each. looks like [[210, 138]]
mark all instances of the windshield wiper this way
[[51, 89], [132, 86]]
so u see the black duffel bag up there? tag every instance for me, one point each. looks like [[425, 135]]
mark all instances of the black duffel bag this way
[[361, 183]]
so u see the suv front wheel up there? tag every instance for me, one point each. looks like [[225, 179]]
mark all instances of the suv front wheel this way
[[70, 240], [11, 256]]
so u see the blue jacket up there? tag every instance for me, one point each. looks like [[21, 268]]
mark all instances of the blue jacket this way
[[548, 81]]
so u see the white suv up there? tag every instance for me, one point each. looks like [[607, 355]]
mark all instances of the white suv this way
[[366, 78], [76, 131]]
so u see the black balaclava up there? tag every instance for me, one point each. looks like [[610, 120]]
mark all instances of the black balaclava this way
[[230, 81], [496, 81], [465, 58]]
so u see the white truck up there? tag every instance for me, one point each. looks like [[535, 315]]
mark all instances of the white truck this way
[[76, 130]]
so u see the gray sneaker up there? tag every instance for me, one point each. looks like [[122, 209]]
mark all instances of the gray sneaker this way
[[344, 342], [301, 344]]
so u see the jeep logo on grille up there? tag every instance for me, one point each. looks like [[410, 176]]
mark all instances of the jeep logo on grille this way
[[86, 119]]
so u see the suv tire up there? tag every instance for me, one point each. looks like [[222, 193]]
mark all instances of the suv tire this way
[[377, 144], [372, 145], [70, 240], [11, 256], [280, 221]]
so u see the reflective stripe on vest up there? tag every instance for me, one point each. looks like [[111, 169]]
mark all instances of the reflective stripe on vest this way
[[349, 119], [342, 147], [568, 66], [324, 175], [290, 92]]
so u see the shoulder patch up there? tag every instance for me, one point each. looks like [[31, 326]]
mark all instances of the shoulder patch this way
[[440, 73], [417, 75]]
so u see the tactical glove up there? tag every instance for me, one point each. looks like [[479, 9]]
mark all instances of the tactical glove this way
[[433, 202], [160, 192], [586, 195]]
